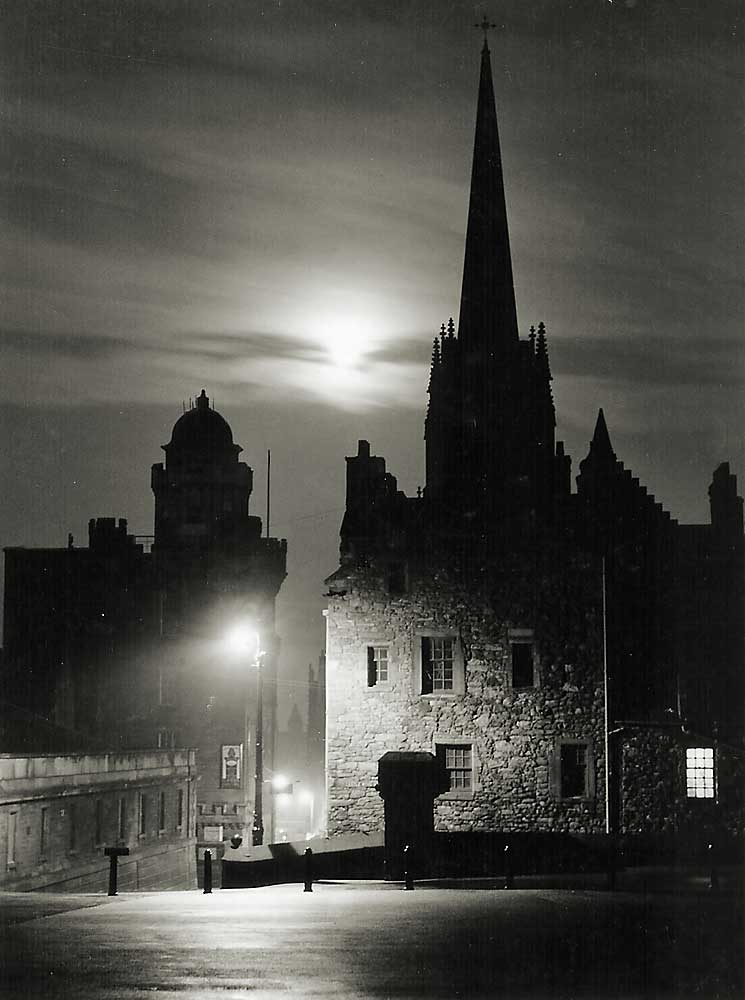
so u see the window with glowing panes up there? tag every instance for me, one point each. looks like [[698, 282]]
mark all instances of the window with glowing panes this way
[[700, 773]]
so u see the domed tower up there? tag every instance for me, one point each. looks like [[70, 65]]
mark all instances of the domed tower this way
[[202, 493], [214, 570], [211, 560]]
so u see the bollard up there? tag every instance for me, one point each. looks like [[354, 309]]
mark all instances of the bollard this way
[[713, 873], [208, 871], [408, 873], [308, 870], [112, 875], [509, 882], [113, 854]]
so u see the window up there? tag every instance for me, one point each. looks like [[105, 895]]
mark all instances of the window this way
[[10, 851], [700, 773], [44, 831], [458, 761], [168, 688], [522, 664], [98, 835], [142, 815], [72, 812], [574, 772], [162, 812], [437, 664], [166, 738], [397, 579], [377, 665], [180, 809], [121, 819]]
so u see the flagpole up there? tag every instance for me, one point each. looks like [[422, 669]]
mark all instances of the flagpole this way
[[605, 701]]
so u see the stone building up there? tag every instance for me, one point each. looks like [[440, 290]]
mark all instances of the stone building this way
[[59, 812], [505, 654], [121, 645]]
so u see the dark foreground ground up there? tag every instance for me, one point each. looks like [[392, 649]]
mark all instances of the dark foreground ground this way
[[351, 940]]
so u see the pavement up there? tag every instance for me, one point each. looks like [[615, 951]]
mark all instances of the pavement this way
[[657, 936]]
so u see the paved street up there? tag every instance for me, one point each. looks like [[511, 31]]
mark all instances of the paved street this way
[[350, 940]]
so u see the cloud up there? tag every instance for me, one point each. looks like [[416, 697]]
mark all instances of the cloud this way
[[652, 361]]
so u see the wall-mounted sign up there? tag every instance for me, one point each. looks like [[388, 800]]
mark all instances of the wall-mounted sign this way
[[230, 765]]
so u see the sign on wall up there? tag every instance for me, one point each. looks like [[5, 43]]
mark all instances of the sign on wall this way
[[230, 766]]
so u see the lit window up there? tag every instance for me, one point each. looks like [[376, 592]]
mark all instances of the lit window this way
[[437, 664], [458, 761], [700, 773], [377, 665]]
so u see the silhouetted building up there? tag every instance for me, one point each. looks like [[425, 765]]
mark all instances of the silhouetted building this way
[[471, 626], [122, 644], [299, 812]]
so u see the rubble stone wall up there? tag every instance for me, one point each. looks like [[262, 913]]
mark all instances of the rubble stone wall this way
[[515, 734]]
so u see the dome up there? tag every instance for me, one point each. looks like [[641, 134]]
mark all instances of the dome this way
[[202, 430]]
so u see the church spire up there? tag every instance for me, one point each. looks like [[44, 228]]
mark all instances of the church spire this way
[[600, 446], [488, 317]]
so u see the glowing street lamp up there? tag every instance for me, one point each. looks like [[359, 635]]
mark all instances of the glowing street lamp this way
[[244, 640]]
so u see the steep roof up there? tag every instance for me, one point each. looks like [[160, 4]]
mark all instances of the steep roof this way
[[488, 317]]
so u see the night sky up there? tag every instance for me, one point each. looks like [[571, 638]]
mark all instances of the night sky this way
[[268, 201]]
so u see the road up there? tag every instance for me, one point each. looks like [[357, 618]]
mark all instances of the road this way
[[354, 940]]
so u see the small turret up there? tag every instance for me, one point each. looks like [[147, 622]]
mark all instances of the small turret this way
[[541, 351], [725, 504], [601, 450]]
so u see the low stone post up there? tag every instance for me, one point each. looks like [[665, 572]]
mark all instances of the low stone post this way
[[308, 863], [113, 854], [509, 881], [408, 873], [208, 871]]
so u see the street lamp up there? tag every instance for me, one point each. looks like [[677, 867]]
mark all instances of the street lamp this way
[[243, 639]]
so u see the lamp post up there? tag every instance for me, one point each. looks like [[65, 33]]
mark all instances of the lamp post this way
[[257, 831], [243, 639]]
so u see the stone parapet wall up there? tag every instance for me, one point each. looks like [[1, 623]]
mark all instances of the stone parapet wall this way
[[37, 775], [58, 813]]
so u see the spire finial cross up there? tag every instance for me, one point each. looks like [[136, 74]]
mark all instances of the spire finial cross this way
[[485, 24]]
